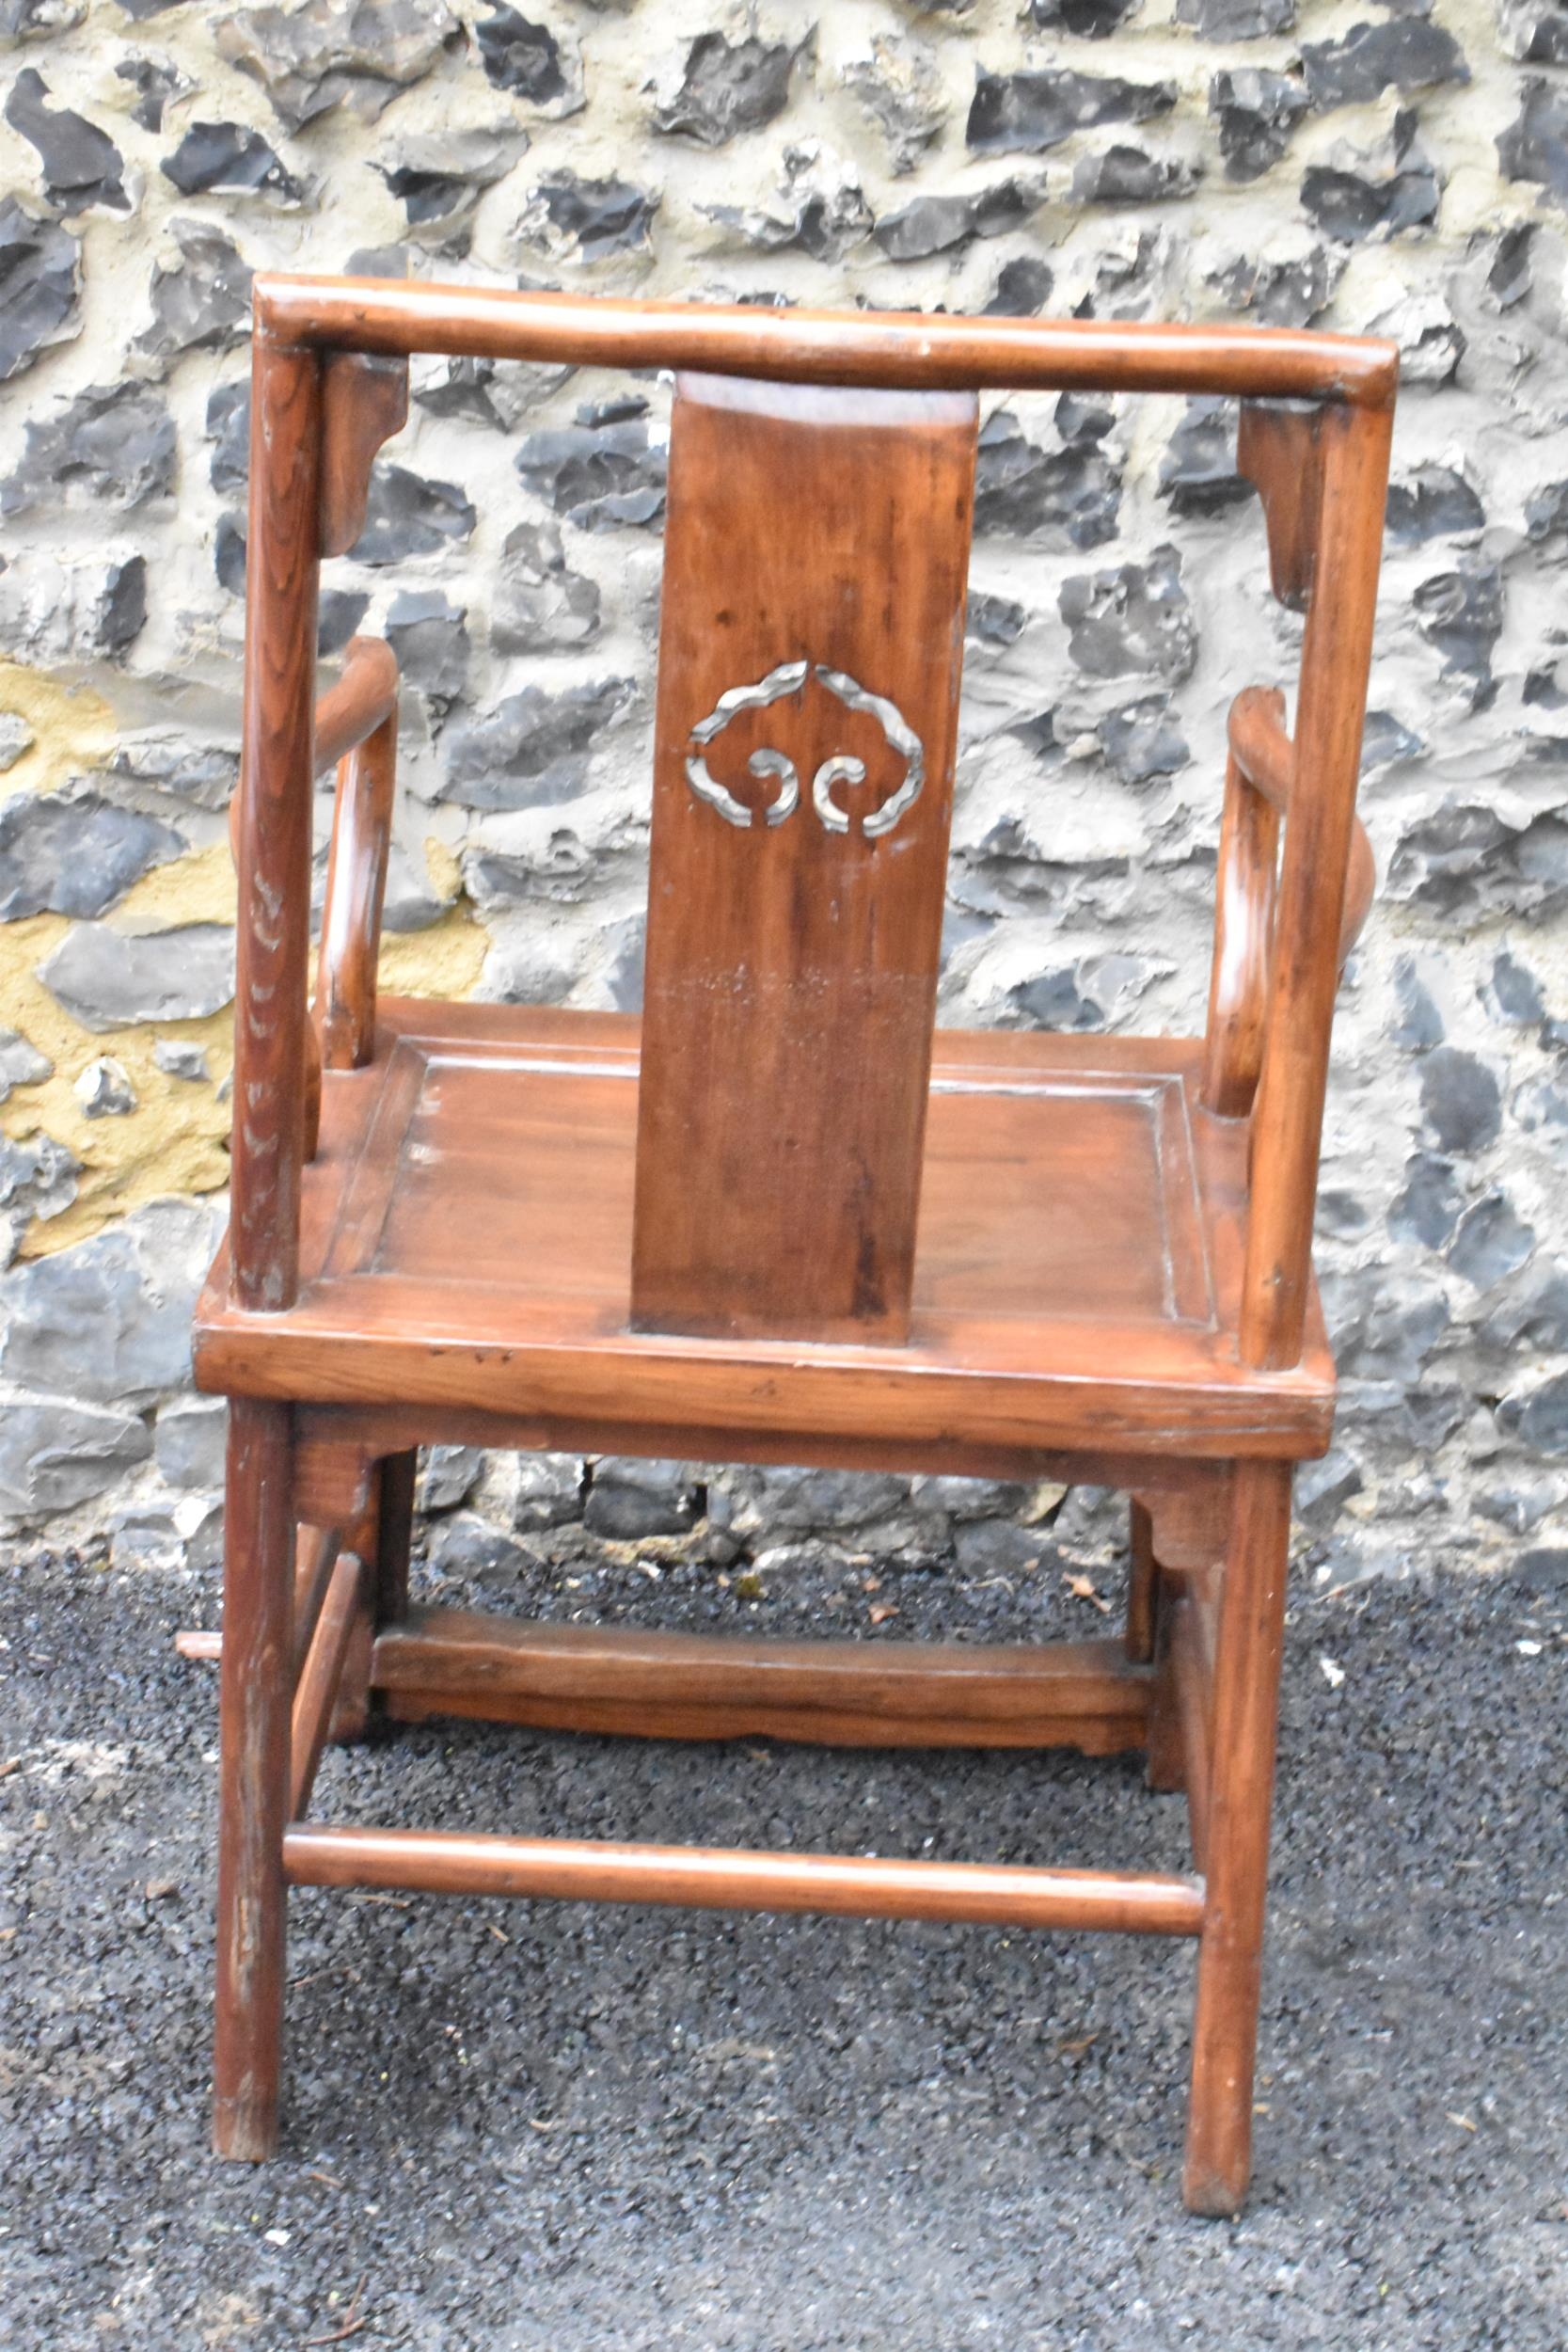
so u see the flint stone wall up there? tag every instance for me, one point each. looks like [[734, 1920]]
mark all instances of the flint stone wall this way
[[1403, 169]]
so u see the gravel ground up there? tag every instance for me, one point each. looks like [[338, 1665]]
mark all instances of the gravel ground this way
[[513, 2127]]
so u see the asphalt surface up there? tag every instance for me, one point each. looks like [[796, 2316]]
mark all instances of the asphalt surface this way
[[513, 2126]]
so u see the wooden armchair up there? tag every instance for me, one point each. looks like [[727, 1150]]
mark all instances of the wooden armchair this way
[[777, 1220]]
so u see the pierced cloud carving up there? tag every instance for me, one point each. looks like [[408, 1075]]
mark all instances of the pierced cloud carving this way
[[841, 768]]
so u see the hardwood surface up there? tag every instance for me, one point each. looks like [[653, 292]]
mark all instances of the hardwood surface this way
[[911, 351], [1077, 1271], [792, 943], [714, 1878], [1110, 1278], [686, 1686]]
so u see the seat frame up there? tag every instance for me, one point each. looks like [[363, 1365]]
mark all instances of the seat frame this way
[[317, 1625]]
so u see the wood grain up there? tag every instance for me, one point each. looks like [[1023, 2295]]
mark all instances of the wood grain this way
[[791, 966], [916, 351], [707, 1878]]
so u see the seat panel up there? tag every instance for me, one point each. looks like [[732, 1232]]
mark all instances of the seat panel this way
[[469, 1219]]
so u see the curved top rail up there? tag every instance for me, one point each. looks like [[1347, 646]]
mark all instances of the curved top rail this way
[[910, 350]]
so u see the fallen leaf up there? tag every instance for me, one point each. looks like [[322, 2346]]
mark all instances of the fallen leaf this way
[[1081, 1588], [1463, 2121], [881, 1610]]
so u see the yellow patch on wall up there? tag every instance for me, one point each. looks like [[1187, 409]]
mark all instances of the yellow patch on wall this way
[[73, 728]]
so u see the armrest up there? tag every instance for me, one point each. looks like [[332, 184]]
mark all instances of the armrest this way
[[355, 723]]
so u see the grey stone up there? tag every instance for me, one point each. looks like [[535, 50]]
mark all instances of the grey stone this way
[[629, 1498], [1535, 31], [1460, 1100], [157, 84], [899, 84], [1142, 741], [1236, 20], [1133, 622], [16, 740], [1434, 502], [599, 474], [200, 301], [21, 1063], [40, 286], [1021, 291], [994, 620], [74, 855], [430, 638], [1391, 1339], [1492, 1241], [1421, 1023], [1466, 858], [1283, 293], [1386, 741], [1198, 473], [189, 1440], [110, 979], [338, 613], [232, 159], [103, 1089], [39, 20], [83, 169], [1068, 498], [1428, 1208], [785, 1501], [204, 775], [1512, 993], [540, 604], [1090, 19], [534, 748], [338, 53], [439, 176], [1057, 1000], [1534, 1316], [943, 224], [827, 213], [1406, 53], [110, 1318], [1321, 1487], [38, 1179], [1535, 146], [1128, 175], [626, 945], [569, 218], [405, 515], [55, 1454], [988, 1547], [547, 1491], [181, 1058], [464, 1546], [70, 609], [1350, 206], [178, 1538], [729, 86], [1460, 613], [529, 62], [1256, 110], [447, 1476], [1510, 276], [112, 445], [495, 393], [1029, 113], [228, 427], [1538, 1417]]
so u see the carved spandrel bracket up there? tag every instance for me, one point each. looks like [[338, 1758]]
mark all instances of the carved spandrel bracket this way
[[365, 401], [1279, 451]]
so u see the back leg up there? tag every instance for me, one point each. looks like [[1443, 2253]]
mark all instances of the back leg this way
[[382, 1538], [1244, 1718]]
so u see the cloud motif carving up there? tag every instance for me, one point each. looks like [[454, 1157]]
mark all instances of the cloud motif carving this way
[[841, 768]]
